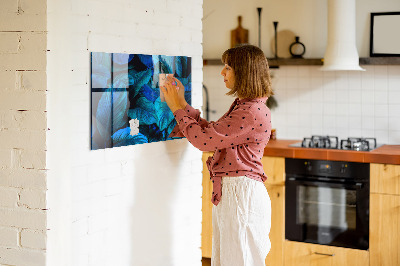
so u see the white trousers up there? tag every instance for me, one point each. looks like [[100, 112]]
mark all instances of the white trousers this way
[[241, 223]]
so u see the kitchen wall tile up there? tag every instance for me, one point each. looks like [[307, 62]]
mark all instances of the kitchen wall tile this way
[[394, 97], [367, 133], [317, 95], [291, 71], [367, 122], [329, 122], [304, 72], [381, 97], [381, 110], [355, 96], [355, 109], [394, 83], [394, 123], [394, 137], [355, 122], [367, 110], [317, 108], [367, 96], [315, 72], [329, 109], [304, 82], [342, 96], [328, 74], [329, 93], [342, 122], [355, 132], [380, 71], [342, 133], [292, 83], [367, 82], [394, 110], [394, 71], [381, 136], [381, 84], [354, 80], [381, 123], [316, 82], [342, 80], [317, 121], [342, 109], [365, 99]]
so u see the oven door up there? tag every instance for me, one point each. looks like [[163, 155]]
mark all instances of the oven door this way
[[327, 213]]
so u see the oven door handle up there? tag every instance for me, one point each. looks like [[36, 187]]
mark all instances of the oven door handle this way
[[357, 185]]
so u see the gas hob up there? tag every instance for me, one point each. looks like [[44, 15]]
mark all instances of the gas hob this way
[[332, 142]]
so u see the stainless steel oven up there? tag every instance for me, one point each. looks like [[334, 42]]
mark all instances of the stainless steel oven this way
[[327, 202]]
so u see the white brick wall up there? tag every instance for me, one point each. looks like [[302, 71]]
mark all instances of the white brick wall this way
[[135, 205], [23, 132]]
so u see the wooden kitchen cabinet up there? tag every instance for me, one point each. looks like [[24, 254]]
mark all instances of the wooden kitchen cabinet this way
[[385, 215], [305, 254], [277, 233], [384, 236], [385, 178], [206, 225], [274, 168]]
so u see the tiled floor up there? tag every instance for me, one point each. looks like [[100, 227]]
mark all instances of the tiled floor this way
[[206, 261]]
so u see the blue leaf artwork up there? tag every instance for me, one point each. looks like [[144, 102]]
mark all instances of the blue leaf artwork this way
[[126, 107]]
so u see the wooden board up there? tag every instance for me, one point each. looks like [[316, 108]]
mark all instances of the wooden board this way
[[384, 230], [385, 178], [206, 232], [305, 254]]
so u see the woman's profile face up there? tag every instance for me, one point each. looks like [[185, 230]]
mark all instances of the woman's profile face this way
[[229, 76]]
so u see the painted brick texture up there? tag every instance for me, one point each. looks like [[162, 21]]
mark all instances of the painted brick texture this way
[[23, 132], [135, 205]]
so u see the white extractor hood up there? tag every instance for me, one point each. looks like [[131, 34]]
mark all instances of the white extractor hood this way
[[341, 51]]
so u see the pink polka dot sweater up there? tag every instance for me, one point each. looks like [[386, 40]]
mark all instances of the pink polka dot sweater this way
[[238, 139]]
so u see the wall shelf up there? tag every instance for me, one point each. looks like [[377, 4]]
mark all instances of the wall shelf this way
[[274, 63]]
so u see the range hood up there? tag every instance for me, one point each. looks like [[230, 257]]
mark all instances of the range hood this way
[[341, 51]]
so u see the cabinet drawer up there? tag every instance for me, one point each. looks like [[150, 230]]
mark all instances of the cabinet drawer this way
[[304, 254]]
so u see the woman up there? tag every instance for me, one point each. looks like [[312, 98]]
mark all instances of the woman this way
[[242, 208]]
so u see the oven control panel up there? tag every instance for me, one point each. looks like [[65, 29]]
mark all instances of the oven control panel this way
[[338, 169]]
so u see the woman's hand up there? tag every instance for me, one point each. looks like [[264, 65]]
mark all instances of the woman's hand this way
[[181, 91], [173, 94]]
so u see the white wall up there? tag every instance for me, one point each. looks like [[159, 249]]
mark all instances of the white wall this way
[[306, 19], [134, 205], [311, 102], [23, 133]]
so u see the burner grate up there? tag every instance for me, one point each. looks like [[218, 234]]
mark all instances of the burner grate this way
[[358, 144]]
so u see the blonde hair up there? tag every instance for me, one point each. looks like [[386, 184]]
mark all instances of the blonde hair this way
[[250, 66]]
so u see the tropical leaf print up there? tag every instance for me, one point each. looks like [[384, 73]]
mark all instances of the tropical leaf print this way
[[144, 111], [103, 114], [164, 114], [122, 138], [139, 80]]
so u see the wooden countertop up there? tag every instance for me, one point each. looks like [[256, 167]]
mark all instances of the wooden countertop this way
[[389, 154]]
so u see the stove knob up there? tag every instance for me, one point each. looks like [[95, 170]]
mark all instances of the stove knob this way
[[343, 168]]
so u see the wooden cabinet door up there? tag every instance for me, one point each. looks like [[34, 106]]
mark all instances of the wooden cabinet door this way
[[304, 254], [206, 226], [384, 237], [274, 168], [385, 178], [277, 233]]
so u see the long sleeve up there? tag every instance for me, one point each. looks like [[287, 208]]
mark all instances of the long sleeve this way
[[231, 130], [193, 113]]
